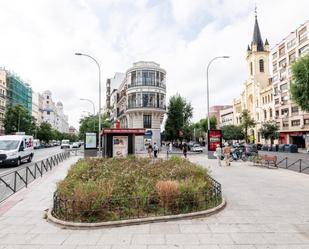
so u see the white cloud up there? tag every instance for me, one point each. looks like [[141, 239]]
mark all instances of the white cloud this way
[[39, 40]]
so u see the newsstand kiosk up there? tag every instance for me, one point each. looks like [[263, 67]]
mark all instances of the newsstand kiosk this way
[[120, 142]]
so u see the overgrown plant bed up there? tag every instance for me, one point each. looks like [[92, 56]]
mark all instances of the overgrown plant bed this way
[[109, 189]]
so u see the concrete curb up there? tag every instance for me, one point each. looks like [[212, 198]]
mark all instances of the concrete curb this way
[[79, 225]]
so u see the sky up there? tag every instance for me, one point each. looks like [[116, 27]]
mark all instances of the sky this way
[[39, 39]]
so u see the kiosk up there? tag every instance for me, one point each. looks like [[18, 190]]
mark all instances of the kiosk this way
[[214, 138], [120, 142]]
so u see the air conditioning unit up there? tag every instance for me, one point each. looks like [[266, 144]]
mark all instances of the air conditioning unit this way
[[281, 103], [301, 126]]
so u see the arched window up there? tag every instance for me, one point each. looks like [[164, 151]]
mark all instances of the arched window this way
[[261, 63]]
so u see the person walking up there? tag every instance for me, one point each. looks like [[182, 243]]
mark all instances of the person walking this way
[[227, 153], [218, 154], [149, 150], [155, 150], [170, 147], [185, 149]]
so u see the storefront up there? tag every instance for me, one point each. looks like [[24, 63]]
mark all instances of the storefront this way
[[294, 137]]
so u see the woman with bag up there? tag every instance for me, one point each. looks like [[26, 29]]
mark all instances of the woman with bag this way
[[218, 154]]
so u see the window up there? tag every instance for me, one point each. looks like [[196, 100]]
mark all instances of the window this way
[[47, 102], [282, 63], [295, 122], [261, 63], [251, 68], [292, 57], [276, 101], [265, 114], [147, 121], [306, 121], [281, 50], [294, 109], [275, 78], [47, 97], [303, 50], [302, 35], [270, 113], [277, 113], [284, 86], [285, 124], [275, 67], [275, 55], [285, 111], [48, 112], [290, 44]]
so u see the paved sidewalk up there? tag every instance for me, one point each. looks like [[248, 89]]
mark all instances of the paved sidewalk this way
[[265, 209]]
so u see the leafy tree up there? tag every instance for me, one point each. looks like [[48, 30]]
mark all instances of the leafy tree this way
[[269, 130], [246, 122], [178, 117], [300, 83], [45, 132], [91, 124], [204, 123], [17, 118], [232, 132]]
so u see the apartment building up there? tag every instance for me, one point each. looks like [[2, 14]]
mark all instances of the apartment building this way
[[214, 111], [226, 116], [37, 107], [257, 96], [53, 113], [139, 101], [3, 92], [293, 123]]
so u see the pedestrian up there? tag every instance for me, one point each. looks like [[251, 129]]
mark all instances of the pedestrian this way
[[227, 153], [155, 150], [170, 147], [218, 154], [185, 149], [149, 150]]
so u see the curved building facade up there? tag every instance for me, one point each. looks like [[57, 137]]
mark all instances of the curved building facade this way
[[141, 101]]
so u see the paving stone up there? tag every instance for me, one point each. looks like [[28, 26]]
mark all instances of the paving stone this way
[[195, 228], [49, 239], [81, 239], [166, 228], [112, 239], [148, 239], [215, 238], [182, 239]]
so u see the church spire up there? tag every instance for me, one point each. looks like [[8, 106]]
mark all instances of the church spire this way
[[257, 38]]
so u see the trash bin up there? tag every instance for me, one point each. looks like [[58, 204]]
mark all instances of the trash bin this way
[[274, 147], [281, 147], [265, 147], [294, 148]]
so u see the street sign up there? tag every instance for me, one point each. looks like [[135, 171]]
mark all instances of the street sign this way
[[148, 133]]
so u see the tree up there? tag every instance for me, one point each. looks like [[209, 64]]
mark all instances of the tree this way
[[269, 130], [179, 113], [246, 122], [45, 132], [300, 83], [204, 123], [17, 118], [91, 124], [232, 132]]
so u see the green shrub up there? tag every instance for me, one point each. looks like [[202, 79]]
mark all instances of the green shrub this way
[[101, 189]]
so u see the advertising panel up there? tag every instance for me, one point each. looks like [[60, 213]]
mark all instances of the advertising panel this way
[[214, 138], [120, 146], [91, 140]]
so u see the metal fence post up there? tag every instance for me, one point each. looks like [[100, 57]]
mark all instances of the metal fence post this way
[[300, 160]]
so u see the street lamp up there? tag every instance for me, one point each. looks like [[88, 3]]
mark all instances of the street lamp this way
[[217, 57], [89, 56]]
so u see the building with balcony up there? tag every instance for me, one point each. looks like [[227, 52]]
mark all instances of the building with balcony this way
[[3, 92], [139, 101], [53, 113], [293, 123], [226, 116], [257, 96]]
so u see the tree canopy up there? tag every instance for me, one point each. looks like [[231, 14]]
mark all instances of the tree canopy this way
[[269, 130], [91, 124], [179, 113], [232, 132], [246, 122], [17, 118], [300, 83]]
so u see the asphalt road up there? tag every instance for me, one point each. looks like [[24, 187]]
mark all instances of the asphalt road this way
[[38, 155]]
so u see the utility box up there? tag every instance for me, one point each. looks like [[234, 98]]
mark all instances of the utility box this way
[[120, 142]]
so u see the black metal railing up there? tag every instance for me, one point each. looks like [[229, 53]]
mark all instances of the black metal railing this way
[[15, 180], [299, 165], [160, 85], [156, 106], [113, 208]]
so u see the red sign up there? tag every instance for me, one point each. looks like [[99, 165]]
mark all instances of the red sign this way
[[135, 131], [214, 138], [117, 123]]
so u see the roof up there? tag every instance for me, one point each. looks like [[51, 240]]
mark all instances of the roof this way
[[257, 38]]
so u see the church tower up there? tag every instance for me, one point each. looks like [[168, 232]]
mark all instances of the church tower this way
[[258, 58]]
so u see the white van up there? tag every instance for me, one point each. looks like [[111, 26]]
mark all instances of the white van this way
[[65, 144], [15, 148], [36, 144]]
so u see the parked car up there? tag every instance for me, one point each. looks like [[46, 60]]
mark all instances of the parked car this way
[[65, 144], [15, 148], [36, 144], [196, 148], [75, 145]]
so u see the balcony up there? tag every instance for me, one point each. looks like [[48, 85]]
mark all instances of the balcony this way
[[151, 106], [151, 84]]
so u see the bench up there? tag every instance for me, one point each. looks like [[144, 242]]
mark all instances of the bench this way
[[266, 161]]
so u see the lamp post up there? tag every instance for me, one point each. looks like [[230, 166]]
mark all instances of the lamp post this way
[[217, 57], [93, 111], [97, 63]]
